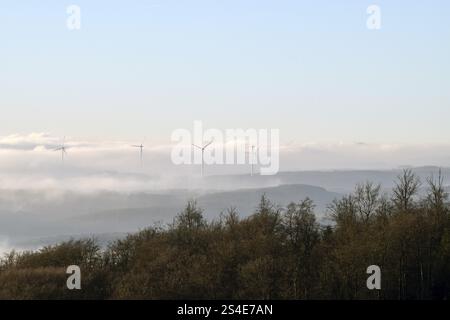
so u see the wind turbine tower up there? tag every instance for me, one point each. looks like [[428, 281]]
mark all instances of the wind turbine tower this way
[[141, 152], [62, 148], [251, 157], [203, 152]]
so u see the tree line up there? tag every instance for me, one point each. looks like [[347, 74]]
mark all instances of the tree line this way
[[275, 253]]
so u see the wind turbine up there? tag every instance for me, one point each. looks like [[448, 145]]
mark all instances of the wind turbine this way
[[251, 157], [141, 147], [203, 151], [62, 148]]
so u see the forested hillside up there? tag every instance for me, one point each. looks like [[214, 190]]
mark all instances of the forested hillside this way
[[275, 253]]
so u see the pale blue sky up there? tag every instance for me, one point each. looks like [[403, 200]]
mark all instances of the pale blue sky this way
[[310, 68]]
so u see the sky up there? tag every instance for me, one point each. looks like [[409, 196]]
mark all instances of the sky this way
[[309, 68]]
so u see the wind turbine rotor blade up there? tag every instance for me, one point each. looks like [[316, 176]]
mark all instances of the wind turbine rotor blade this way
[[197, 146], [208, 144]]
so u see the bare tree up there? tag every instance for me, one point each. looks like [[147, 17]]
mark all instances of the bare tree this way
[[437, 196], [405, 189], [367, 199]]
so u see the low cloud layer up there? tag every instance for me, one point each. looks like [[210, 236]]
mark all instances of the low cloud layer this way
[[30, 162]]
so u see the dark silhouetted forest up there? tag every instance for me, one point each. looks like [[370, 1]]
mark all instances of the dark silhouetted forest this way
[[275, 253]]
